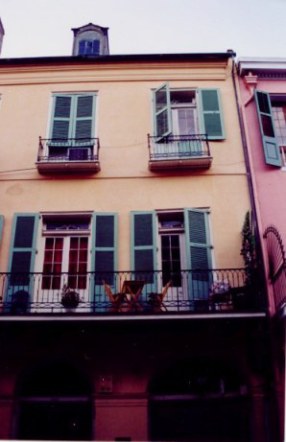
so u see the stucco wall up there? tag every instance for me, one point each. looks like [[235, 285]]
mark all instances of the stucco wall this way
[[123, 120]]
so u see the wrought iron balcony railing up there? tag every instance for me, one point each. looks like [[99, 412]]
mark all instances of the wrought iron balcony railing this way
[[57, 154], [147, 293], [187, 151]]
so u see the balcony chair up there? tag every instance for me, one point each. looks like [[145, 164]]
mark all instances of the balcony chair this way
[[116, 299], [156, 299]]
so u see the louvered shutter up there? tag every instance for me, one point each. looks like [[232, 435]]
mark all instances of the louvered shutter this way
[[61, 118], [83, 119], [22, 253], [143, 245], [198, 252], [162, 111], [270, 145], [104, 260], [211, 118]]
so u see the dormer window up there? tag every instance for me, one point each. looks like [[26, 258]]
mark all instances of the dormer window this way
[[90, 40], [89, 47]]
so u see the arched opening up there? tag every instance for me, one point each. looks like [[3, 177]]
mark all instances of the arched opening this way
[[199, 401], [54, 401]]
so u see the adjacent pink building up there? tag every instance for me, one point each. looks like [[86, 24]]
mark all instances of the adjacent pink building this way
[[263, 107]]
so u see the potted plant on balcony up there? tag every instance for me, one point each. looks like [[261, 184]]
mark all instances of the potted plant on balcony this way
[[69, 298], [220, 296]]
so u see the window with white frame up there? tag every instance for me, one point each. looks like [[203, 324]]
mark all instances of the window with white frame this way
[[279, 118], [65, 256], [187, 112], [271, 110]]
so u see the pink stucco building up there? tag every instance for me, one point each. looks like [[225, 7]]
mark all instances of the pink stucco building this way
[[263, 108]]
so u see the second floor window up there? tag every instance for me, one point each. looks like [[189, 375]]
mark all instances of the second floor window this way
[[271, 111], [279, 118], [72, 119], [183, 112]]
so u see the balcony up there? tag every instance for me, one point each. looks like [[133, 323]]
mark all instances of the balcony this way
[[70, 155], [208, 293], [179, 152]]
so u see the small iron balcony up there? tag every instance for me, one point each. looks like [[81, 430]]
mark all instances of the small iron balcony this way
[[187, 292], [179, 152], [68, 155]]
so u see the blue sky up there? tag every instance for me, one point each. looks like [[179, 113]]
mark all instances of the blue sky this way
[[249, 27]]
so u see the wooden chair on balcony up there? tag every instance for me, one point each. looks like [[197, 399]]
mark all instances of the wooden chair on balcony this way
[[156, 300], [116, 299]]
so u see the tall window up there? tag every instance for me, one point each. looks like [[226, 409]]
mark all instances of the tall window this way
[[73, 117], [66, 252], [270, 121], [184, 112], [279, 118], [188, 112]]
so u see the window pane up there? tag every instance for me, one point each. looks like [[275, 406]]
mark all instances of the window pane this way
[[279, 119], [162, 123], [161, 99], [52, 263]]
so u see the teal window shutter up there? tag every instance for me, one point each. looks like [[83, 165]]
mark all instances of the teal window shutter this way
[[104, 248], [143, 245], [84, 117], [211, 114], [73, 117], [61, 118], [162, 111], [270, 145], [198, 252], [22, 252]]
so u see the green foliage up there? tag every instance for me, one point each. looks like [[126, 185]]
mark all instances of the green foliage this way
[[248, 250]]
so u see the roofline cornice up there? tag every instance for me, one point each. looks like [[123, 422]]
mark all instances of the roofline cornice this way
[[125, 58], [262, 67]]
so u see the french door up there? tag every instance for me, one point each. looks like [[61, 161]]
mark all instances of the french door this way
[[65, 263], [173, 261], [185, 124]]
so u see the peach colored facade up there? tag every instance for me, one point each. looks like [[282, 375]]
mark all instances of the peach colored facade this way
[[132, 375], [123, 120]]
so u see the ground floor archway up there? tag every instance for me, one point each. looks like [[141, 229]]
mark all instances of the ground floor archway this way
[[54, 403], [200, 401]]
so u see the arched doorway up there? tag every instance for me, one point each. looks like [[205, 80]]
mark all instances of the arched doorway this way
[[199, 401], [54, 403]]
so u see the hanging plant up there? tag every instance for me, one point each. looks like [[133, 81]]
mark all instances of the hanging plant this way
[[70, 298]]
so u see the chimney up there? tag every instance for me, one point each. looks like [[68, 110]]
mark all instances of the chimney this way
[[90, 40]]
